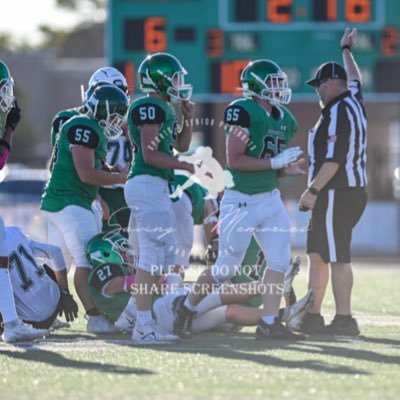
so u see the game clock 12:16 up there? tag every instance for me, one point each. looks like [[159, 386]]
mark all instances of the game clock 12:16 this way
[[289, 11]]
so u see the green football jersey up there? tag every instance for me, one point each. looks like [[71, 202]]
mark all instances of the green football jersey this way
[[113, 306], [268, 136], [151, 110], [251, 269], [59, 119], [196, 194], [100, 276], [64, 186]]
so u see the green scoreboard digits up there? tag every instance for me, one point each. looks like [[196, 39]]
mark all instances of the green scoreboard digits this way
[[215, 39]]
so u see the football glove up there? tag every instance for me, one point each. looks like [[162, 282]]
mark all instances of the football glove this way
[[212, 251], [285, 158], [13, 117], [68, 306]]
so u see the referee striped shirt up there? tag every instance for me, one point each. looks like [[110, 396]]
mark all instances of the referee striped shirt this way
[[340, 136]]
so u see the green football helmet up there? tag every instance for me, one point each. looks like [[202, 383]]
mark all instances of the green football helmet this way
[[108, 248], [109, 106], [6, 89], [163, 73], [265, 79], [92, 88]]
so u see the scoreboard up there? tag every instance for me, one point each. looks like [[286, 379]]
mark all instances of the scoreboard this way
[[215, 39]]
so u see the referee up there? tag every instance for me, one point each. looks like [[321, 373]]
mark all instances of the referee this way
[[336, 193]]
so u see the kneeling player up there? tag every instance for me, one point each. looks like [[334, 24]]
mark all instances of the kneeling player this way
[[110, 283], [111, 276], [40, 293]]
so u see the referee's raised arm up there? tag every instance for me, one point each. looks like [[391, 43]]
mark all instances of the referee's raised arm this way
[[350, 65]]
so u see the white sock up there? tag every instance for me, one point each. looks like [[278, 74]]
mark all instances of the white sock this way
[[131, 308], [211, 301], [7, 304], [269, 319], [144, 317]]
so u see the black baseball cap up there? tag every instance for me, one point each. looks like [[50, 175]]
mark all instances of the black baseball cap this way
[[329, 70]]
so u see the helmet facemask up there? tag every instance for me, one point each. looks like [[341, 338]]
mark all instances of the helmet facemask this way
[[178, 90], [114, 123], [275, 88], [109, 106], [109, 248], [7, 98], [124, 248]]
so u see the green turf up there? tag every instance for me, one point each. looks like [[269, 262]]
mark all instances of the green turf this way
[[72, 364]]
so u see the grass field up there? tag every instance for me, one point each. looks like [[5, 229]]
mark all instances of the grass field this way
[[71, 364]]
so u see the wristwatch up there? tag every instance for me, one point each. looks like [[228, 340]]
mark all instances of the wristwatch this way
[[313, 191]]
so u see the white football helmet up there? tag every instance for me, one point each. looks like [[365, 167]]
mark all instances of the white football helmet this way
[[108, 75]]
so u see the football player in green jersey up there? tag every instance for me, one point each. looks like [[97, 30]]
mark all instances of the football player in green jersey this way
[[153, 129], [107, 254], [109, 207], [118, 149], [78, 171], [119, 154], [259, 128]]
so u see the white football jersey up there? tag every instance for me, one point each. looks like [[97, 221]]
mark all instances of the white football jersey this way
[[119, 153], [36, 294]]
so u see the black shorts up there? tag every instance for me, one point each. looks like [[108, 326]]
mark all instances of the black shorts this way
[[335, 214]]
